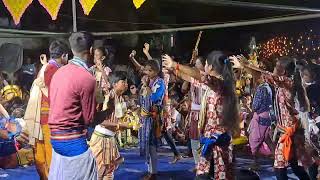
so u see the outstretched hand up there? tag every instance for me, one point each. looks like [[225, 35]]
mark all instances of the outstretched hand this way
[[235, 62], [167, 62]]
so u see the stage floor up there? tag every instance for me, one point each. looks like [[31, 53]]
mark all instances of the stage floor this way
[[134, 167]]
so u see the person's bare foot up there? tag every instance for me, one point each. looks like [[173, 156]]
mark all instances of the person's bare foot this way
[[176, 159]]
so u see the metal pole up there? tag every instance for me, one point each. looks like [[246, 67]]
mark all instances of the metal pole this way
[[215, 26], [14, 36], [251, 5], [191, 28], [74, 15], [23, 32]]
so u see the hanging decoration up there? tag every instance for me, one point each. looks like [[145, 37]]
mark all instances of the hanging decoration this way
[[87, 5], [17, 8], [138, 3], [52, 7]]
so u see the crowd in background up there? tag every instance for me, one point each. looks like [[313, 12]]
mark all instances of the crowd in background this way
[[215, 103]]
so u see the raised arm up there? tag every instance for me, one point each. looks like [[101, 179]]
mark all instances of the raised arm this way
[[146, 51], [134, 61], [187, 79], [182, 71], [280, 81]]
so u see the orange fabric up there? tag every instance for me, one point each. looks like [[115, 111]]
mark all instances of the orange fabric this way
[[43, 152], [285, 138]]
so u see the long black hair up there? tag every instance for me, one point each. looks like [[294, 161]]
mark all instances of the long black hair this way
[[291, 70], [222, 65]]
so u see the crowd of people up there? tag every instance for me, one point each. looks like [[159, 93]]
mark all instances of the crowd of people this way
[[81, 111]]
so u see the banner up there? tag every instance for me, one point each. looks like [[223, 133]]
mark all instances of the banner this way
[[138, 3], [87, 5], [52, 7], [17, 8]]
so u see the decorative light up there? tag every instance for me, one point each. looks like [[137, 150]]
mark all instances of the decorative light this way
[[304, 45]]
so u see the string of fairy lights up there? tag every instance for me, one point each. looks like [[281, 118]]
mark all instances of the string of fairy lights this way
[[305, 45]]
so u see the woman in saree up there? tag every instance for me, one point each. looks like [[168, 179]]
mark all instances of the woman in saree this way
[[219, 116]]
